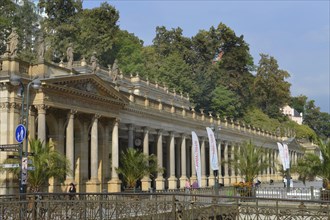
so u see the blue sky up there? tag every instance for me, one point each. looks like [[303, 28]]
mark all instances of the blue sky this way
[[295, 33]]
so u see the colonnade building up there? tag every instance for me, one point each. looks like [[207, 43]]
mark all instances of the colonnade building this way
[[91, 118]]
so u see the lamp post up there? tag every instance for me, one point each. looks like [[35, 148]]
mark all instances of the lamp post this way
[[16, 81]]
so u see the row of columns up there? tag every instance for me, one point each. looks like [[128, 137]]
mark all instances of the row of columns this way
[[229, 176]]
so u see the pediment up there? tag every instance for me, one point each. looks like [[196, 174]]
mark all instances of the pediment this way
[[86, 85]]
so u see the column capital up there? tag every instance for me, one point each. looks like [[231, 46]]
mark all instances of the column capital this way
[[130, 126], [4, 105], [73, 111], [41, 107], [145, 128], [96, 116], [159, 131], [184, 135]]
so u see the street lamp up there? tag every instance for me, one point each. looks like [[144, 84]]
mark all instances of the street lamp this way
[[36, 83]]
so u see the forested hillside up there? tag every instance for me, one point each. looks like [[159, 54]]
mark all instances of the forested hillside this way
[[214, 67]]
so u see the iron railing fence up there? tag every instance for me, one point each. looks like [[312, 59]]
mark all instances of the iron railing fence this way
[[297, 193], [196, 204]]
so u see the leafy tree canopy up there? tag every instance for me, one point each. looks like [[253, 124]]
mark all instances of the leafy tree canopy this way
[[271, 91], [187, 65], [225, 102]]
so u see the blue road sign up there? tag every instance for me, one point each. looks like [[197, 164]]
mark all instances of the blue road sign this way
[[20, 133]]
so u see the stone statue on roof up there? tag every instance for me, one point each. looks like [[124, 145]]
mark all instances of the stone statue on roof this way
[[115, 71], [41, 48], [12, 43], [69, 55], [94, 61]]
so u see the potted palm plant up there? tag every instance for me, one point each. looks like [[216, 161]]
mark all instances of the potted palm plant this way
[[312, 165], [248, 160], [47, 163], [134, 165]]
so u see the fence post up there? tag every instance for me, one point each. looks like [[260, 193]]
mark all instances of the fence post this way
[[101, 206], [312, 192], [173, 207]]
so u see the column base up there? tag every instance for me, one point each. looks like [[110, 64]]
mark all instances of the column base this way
[[172, 182], [93, 186], [204, 181], [212, 180], [226, 181], [183, 181], [145, 184], [114, 185], [160, 183]]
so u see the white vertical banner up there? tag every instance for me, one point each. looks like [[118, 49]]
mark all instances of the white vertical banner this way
[[286, 156], [281, 153], [197, 157], [213, 149]]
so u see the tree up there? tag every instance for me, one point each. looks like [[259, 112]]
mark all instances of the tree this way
[[60, 27], [47, 163], [249, 161], [28, 21], [225, 102], [317, 120], [134, 165], [7, 14], [299, 103], [324, 169], [271, 91], [25, 19], [60, 11], [256, 118], [231, 70], [128, 50], [97, 31], [312, 165], [307, 167]]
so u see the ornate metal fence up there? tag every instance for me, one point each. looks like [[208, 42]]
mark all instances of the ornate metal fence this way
[[159, 206]]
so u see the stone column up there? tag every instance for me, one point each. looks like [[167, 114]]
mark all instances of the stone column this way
[[130, 135], [146, 182], [219, 161], [93, 185], [232, 178], [42, 123], [172, 180], [183, 162], [203, 164], [115, 183], [273, 163], [160, 184], [70, 146], [269, 158], [226, 166], [238, 173]]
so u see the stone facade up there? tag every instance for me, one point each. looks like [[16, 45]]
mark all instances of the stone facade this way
[[91, 118]]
